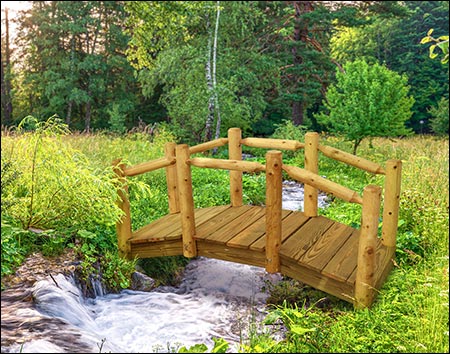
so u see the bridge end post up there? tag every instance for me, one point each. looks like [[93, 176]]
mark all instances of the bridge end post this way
[[312, 165], [235, 153], [391, 204], [186, 200], [123, 226], [273, 210], [365, 272], [171, 179]]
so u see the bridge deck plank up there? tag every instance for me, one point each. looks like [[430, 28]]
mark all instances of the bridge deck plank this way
[[317, 250]]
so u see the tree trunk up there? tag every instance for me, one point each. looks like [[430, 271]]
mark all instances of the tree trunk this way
[[297, 113], [6, 77], [87, 119], [216, 98], [69, 113], [300, 35], [209, 82]]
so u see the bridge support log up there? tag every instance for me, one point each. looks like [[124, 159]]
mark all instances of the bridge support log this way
[[273, 210], [123, 227], [365, 272], [235, 153], [186, 201], [312, 165], [171, 179]]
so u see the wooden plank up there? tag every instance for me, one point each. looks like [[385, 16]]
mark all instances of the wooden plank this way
[[318, 256], [293, 269], [238, 255], [227, 232], [301, 240], [342, 265], [155, 230], [254, 232], [169, 226], [219, 221], [291, 223], [157, 249]]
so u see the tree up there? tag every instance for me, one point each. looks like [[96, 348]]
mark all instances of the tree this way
[[6, 74], [367, 101], [74, 63], [396, 43], [177, 57]]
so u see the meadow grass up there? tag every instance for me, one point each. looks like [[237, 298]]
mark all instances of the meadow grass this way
[[410, 313]]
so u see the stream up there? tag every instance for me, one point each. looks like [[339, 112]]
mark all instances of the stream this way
[[214, 299]]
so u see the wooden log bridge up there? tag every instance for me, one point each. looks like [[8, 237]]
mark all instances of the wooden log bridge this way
[[351, 264]]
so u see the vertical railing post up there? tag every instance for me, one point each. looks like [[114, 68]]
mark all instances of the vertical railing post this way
[[273, 210], [235, 153], [312, 165], [123, 226], [171, 179], [392, 184], [365, 272], [186, 200]]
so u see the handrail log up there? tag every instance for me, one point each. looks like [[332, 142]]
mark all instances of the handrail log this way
[[352, 160], [234, 165], [208, 145], [273, 143], [148, 166], [323, 184]]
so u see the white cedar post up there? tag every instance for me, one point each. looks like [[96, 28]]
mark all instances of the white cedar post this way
[[186, 201], [365, 272], [312, 165], [273, 210], [235, 153], [123, 226], [171, 179], [392, 184]]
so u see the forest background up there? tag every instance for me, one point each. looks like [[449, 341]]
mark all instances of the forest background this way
[[204, 66]]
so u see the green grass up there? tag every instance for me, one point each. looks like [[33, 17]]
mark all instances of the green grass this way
[[410, 313]]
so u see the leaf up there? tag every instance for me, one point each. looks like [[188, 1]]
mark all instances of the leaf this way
[[430, 31], [425, 40], [299, 330]]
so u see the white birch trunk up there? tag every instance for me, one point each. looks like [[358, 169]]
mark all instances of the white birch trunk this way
[[216, 99], [209, 82]]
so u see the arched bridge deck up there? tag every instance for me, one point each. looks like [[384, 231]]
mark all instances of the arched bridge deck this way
[[349, 263]]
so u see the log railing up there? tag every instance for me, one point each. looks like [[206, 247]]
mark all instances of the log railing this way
[[178, 161]]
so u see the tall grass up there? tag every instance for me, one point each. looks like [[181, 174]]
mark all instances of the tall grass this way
[[411, 310]]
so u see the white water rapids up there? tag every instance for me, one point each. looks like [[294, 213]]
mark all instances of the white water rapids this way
[[215, 299]]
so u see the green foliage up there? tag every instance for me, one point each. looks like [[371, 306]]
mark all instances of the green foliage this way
[[76, 66], [367, 101], [220, 346], [56, 187], [439, 117], [395, 42], [165, 270], [441, 43], [175, 63]]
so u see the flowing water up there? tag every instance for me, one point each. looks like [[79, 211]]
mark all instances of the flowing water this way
[[215, 299]]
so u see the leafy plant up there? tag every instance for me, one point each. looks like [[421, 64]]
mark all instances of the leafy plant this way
[[367, 101]]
